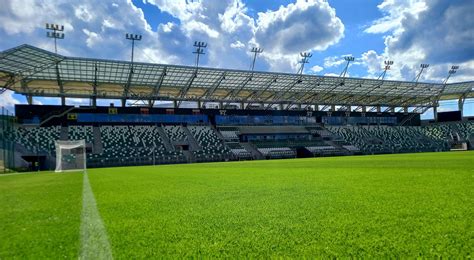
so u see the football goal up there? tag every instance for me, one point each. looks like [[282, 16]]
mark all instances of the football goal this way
[[70, 156]]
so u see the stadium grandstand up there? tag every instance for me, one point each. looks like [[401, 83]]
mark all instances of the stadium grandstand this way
[[216, 114]]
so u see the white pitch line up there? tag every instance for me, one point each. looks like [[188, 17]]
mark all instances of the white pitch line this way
[[94, 240]]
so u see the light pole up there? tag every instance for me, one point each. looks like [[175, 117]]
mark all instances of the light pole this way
[[348, 59], [133, 38], [423, 66], [304, 59], [200, 46], [255, 51], [55, 32], [388, 63], [450, 72]]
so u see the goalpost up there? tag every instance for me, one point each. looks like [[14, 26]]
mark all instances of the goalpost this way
[[70, 156]]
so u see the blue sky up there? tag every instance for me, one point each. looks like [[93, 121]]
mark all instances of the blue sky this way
[[370, 30]]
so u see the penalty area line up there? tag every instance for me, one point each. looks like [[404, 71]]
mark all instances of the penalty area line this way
[[94, 240]]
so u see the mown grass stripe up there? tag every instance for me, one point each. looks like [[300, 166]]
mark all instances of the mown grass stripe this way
[[94, 240]]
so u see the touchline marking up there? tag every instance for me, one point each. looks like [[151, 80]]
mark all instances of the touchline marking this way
[[94, 240]]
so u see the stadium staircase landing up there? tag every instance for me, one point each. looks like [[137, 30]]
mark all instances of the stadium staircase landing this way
[[193, 144], [253, 150], [98, 147], [165, 139]]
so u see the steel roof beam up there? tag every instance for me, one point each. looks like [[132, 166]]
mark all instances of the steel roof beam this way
[[256, 94], [186, 88], [215, 86], [156, 88], [234, 93]]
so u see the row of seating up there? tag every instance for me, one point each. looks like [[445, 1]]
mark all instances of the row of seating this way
[[79, 132], [175, 133], [212, 147], [38, 139], [388, 139], [453, 132]]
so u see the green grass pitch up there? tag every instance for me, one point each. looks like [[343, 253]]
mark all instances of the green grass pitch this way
[[406, 205]]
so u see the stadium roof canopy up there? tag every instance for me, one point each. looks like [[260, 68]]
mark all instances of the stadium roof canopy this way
[[32, 71]]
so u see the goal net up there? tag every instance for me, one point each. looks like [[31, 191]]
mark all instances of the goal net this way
[[70, 156]]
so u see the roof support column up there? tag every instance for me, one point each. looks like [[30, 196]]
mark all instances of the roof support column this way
[[60, 84], [124, 102], [316, 107], [461, 105], [94, 87], [435, 113], [29, 99]]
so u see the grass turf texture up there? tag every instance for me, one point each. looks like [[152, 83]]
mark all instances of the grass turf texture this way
[[405, 205]]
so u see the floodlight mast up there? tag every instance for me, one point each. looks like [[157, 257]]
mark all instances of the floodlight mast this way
[[132, 37], [255, 51], [304, 59], [423, 66], [388, 63], [452, 71], [56, 32], [200, 46], [348, 59]]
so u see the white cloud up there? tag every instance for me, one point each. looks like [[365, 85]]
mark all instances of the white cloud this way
[[437, 32], [78, 101], [92, 38], [201, 28], [8, 101], [316, 69], [395, 11], [83, 13], [333, 61], [373, 62], [307, 25], [167, 27], [237, 45]]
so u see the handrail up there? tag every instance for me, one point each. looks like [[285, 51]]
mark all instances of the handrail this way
[[57, 115]]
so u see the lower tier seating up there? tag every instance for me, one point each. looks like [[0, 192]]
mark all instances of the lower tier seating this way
[[144, 144], [38, 139], [212, 147]]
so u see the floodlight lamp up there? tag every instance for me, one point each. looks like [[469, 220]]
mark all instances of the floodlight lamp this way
[[388, 62], [424, 65], [349, 58], [454, 67], [200, 44], [133, 37]]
